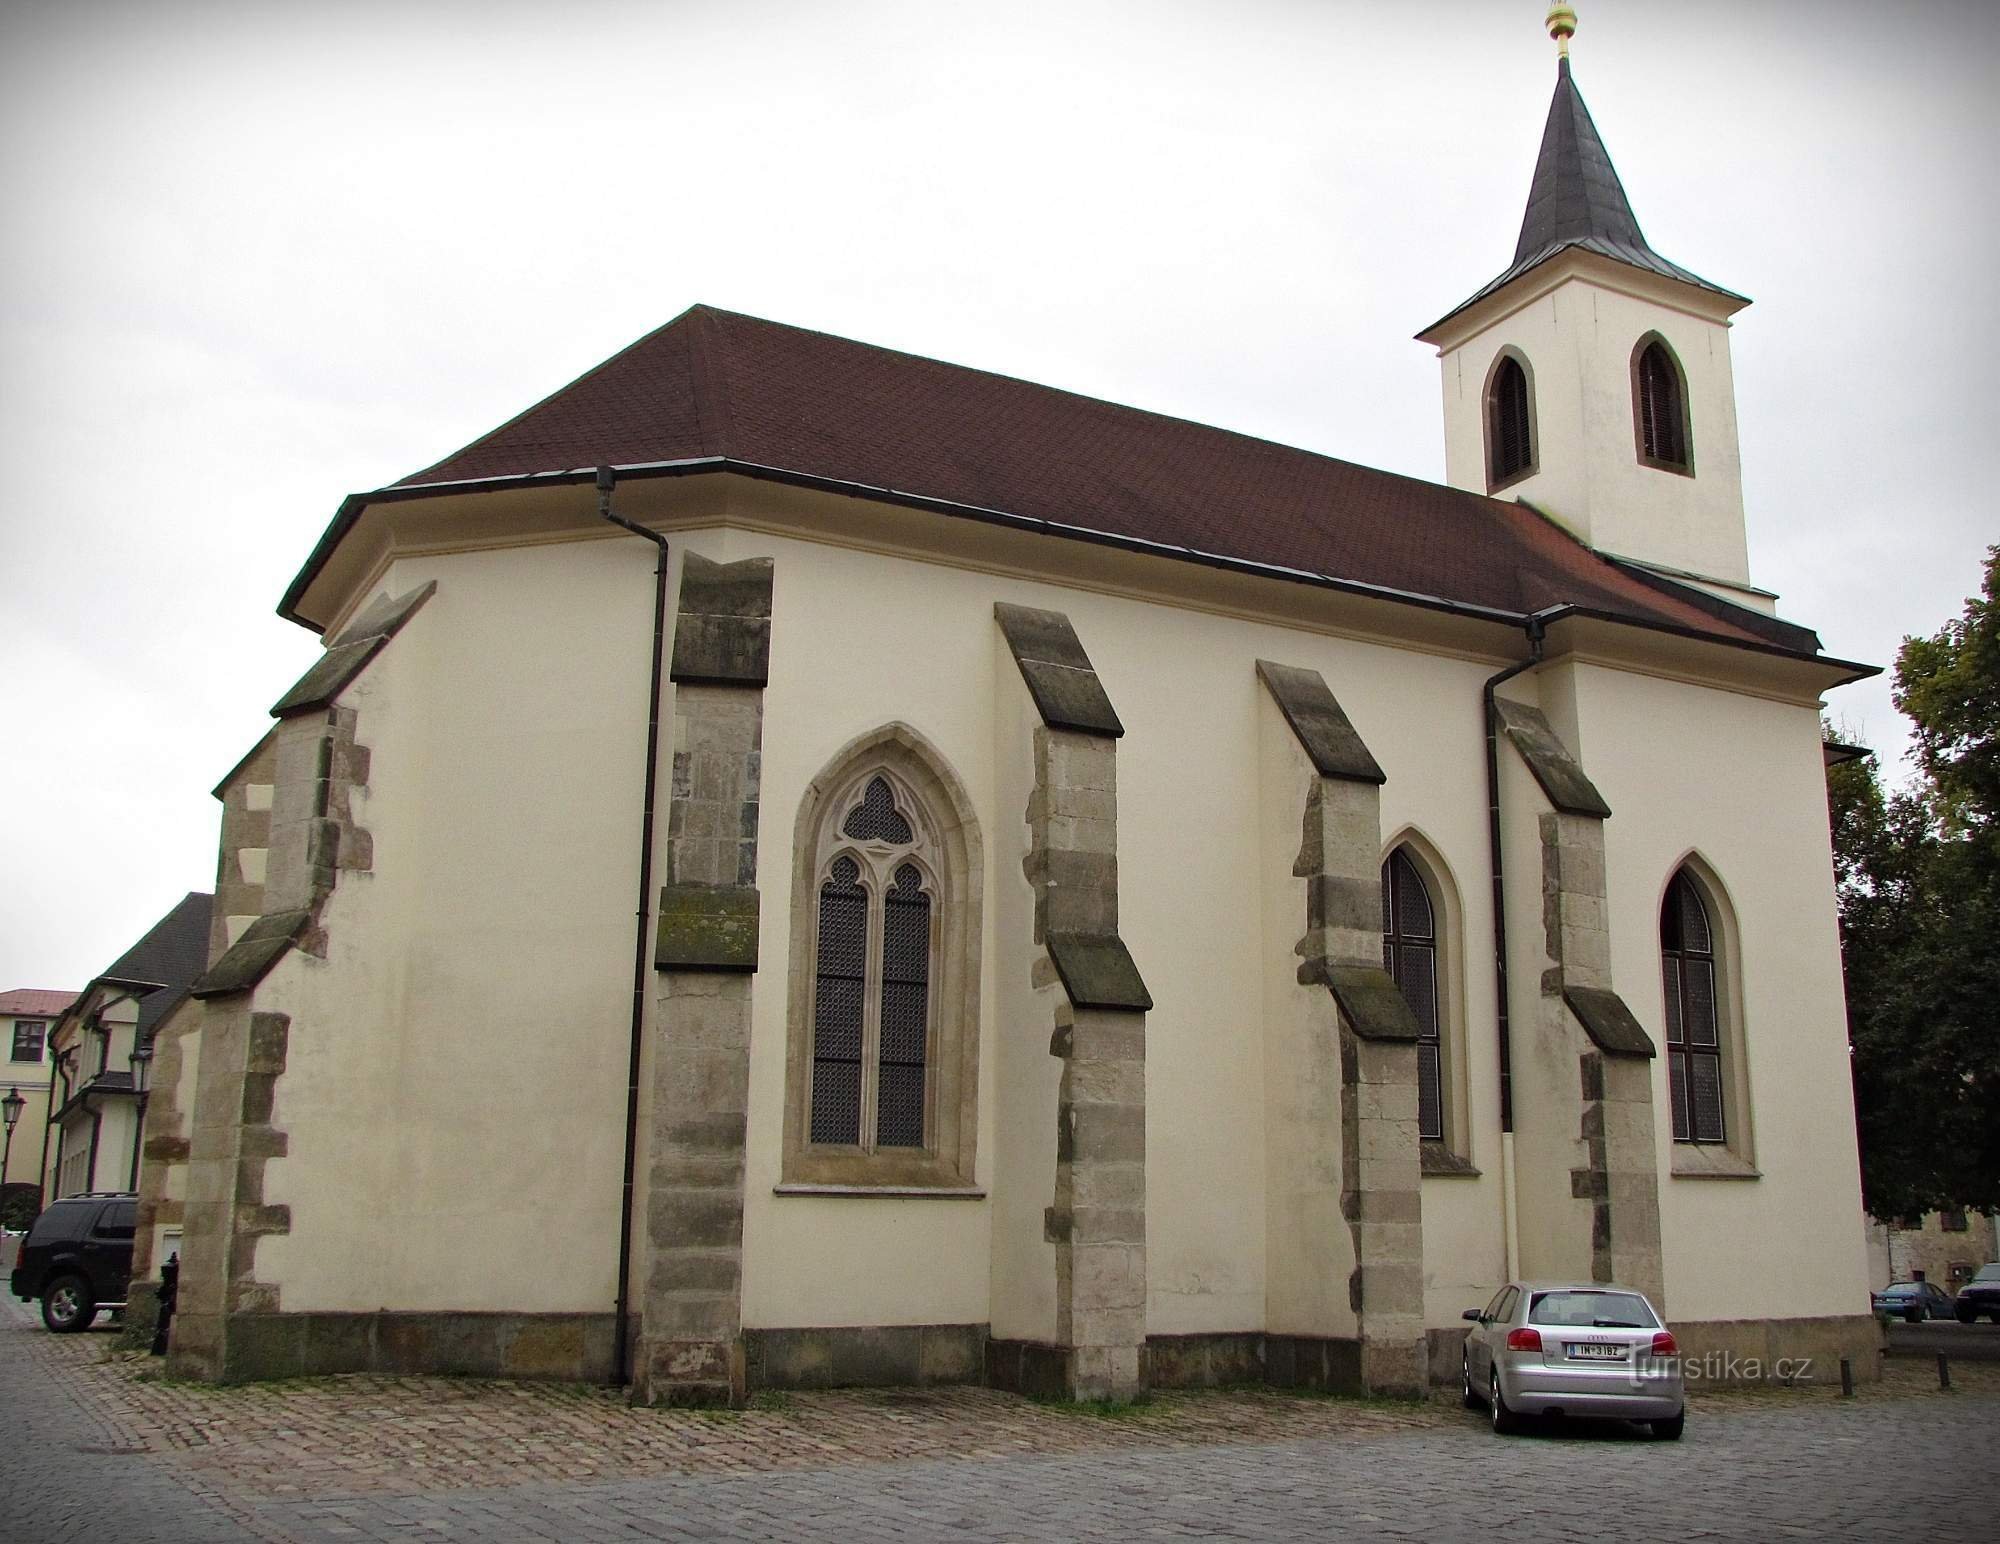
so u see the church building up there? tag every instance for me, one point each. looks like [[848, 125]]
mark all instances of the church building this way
[[804, 864]]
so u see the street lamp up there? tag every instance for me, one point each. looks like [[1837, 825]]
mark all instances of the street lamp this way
[[10, 1108], [142, 1065]]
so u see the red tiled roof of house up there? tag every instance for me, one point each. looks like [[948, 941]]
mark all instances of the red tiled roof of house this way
[[717, 384], [32, 1002]]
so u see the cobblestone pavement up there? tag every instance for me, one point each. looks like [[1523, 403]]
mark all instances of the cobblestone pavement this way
[[72, 1463], [346, 1460]]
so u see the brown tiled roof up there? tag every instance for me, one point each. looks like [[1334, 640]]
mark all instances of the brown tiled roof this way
[[716, 384], [32, 1002]]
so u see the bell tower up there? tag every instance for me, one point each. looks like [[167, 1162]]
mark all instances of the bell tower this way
[[1592, 378]]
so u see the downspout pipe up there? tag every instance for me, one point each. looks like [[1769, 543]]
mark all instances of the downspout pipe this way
[[620, 1333], [58, 1068], [1536, 625]]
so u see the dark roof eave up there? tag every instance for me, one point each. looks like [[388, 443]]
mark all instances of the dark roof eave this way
[[1850, 670], [352, 506], [1520, 270]]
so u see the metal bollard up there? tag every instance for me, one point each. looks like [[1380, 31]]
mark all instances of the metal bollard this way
[[1846, 1378], [1944, 1372], [170, 1291]]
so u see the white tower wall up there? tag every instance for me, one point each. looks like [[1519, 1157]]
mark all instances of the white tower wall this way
[[1576, 323]]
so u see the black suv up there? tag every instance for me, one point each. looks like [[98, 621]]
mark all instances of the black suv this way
[[78, 1258]]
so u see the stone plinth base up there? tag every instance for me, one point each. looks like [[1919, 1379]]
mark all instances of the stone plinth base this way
[[249, 1347]]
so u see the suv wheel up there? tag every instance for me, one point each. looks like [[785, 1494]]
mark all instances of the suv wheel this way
[[67, 1305]]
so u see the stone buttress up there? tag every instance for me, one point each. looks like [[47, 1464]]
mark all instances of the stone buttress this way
[[229, 1324], [691, 1347], [1596, 1055], [1097, 1217], [1359, 1017]]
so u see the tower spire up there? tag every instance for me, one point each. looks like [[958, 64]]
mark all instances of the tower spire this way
[[1576, 201]]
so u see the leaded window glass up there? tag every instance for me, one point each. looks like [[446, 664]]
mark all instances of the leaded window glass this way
[[837, 1005], [874, 1019], [1694, 1034], [906, 977], [1410, 954]]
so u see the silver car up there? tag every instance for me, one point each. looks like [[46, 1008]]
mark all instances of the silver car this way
[[1576, 1348]]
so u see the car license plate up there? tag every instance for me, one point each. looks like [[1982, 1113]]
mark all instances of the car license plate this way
[[1595, 1351]]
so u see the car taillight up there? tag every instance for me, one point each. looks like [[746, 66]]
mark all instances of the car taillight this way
[[1524, 1340], [1663, 1345]]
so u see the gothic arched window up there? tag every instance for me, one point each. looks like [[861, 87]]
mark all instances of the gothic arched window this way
[[872, 1007], [1410, 954], [883, 1064], [1694, 1023], [1659, 404], [1510, 426]]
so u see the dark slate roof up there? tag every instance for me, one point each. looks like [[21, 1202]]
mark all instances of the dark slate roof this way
[[170, 955], [735, 392], [1576, 200]]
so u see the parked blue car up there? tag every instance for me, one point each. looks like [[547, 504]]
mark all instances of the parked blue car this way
[[1914, 1301]]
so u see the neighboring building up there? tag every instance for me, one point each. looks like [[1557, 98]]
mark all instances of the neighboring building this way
[[1946, 1247], [1075, 947], [95, 1109], [26, 1015]]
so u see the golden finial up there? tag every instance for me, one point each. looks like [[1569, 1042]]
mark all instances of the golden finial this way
[[1562, 26]]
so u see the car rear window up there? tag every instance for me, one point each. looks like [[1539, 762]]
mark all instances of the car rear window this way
[[1588, 1310], [1901, 1289]]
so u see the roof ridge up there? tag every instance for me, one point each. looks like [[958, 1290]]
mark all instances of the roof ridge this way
[[708, 382], [534, 407]]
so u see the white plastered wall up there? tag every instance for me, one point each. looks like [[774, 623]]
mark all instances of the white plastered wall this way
[[860, 639], [1019, 1074], [454, 1095], [1738, 781], [1578, 339]]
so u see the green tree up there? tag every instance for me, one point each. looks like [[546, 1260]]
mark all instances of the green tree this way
[[1918, 873]]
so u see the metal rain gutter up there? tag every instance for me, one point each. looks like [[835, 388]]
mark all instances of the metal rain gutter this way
[[620, 1329], [352, 507]]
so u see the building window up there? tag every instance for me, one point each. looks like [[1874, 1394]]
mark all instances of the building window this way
[[1952, 1219], [882, 1069], [1510, 422], [1659, 406], [1410, 954], [1694, 1025], [872, 1008], [28, 1040]]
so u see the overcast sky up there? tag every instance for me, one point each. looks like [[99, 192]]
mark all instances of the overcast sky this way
[[262, 256]]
